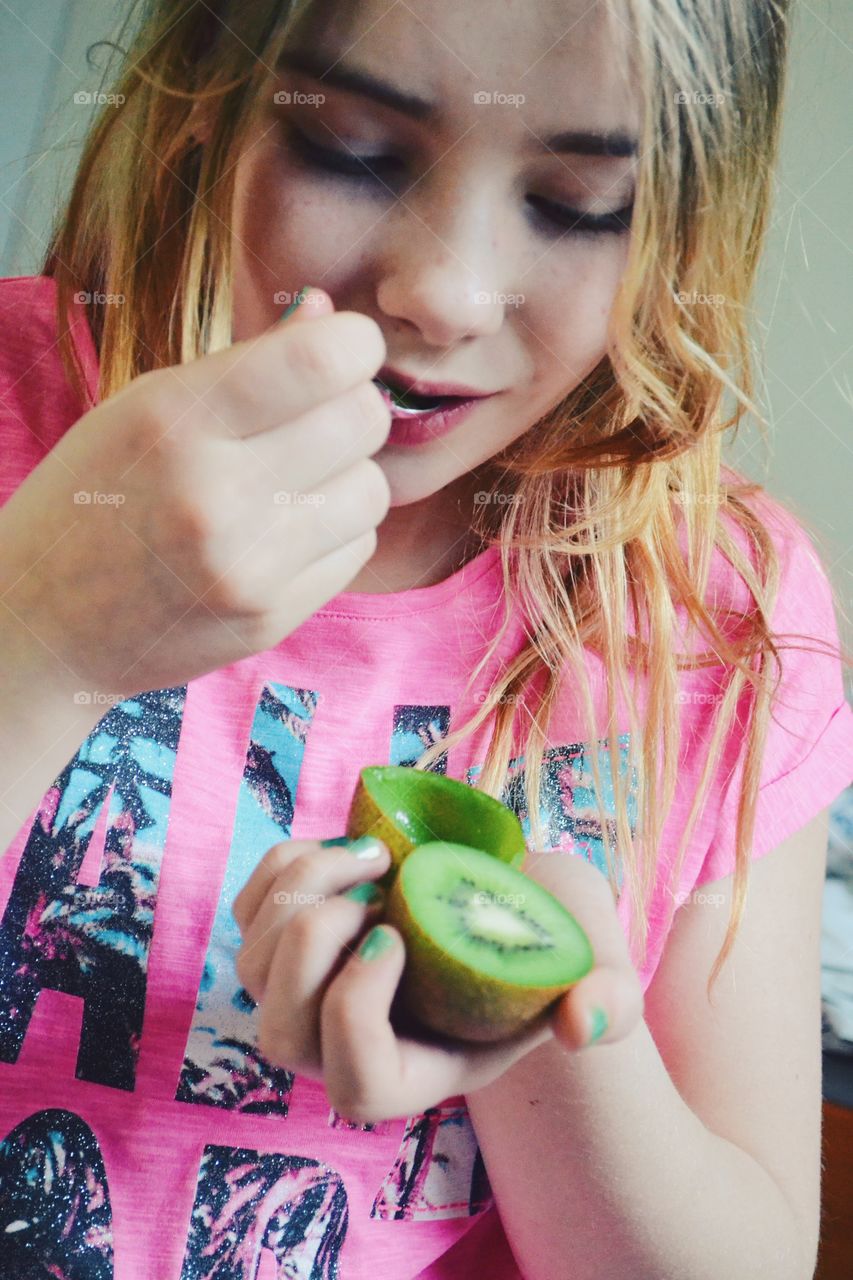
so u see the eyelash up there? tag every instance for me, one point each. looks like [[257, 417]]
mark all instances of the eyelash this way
[[364, 170]]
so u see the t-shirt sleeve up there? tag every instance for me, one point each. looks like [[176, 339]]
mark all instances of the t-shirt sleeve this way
[[808, 754], [37, 402]]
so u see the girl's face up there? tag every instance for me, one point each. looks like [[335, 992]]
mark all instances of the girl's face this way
[[489, 236]]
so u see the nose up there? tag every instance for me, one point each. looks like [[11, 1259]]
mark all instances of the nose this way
[[441, 270]]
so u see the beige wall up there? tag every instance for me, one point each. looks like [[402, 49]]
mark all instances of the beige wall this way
[[42, 66], [805, 301]]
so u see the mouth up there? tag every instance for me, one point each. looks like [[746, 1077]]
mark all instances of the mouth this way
[[419, 399]]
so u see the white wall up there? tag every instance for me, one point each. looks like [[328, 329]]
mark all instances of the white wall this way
[[804, 302]]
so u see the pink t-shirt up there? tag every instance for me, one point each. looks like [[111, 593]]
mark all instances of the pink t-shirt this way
[[143, 1134]]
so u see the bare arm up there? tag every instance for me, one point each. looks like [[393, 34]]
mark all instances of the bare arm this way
[[689, 1150], [41, 724]]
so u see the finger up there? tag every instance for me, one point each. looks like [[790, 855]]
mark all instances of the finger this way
[[608, 1001], [602, 1008], [318, 862], [318, 583], [309, 301], [276, 858], [258, 384], [307, 451], [311, 949], [360, 1052], [307, 882], [309, 525]]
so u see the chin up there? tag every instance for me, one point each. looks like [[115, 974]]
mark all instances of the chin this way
[[408, 483]]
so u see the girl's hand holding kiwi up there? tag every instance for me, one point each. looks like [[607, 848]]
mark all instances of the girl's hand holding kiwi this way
[[326, 975], [174, 512]]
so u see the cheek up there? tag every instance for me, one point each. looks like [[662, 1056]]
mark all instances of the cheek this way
[[572, 324], [297, 225], [287, 233]]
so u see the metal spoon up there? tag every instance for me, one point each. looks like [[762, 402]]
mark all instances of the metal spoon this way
[[399, 409]]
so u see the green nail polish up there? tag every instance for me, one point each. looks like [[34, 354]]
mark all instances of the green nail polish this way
[[336, 842], [377, 941], [366, 847], [597, 1023], [366, 892], [306, 288]]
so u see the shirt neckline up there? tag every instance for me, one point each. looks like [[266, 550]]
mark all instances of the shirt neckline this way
[[483, 567]]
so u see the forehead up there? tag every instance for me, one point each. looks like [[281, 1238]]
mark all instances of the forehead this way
[[561, 55]]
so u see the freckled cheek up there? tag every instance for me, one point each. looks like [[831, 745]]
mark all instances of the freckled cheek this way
[[573, 325], [306, 233], [574, 339]]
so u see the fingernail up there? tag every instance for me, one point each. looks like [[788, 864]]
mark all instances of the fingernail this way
[[377, 941], [366, 892], [597, 1024], [300, 297], [336, 842], [367, 847]]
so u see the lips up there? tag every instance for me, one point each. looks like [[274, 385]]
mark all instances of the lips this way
[[410, 397], [396, 378]]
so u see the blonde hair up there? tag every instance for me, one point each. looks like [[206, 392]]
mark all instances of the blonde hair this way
[[591, 536]]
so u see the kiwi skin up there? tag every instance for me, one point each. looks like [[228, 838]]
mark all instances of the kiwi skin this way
[[365, 818], [447, 795], [448, 998]]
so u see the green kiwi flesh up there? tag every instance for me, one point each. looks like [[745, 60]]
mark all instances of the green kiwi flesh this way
[[407, 807], [487, 948]]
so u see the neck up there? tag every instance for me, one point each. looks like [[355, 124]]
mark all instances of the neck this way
[[424, 542]]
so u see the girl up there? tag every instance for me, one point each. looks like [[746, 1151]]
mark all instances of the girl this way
[[235, 572]]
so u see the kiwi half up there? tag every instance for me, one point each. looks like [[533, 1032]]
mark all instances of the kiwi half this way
[[487, 948], [407, 807]]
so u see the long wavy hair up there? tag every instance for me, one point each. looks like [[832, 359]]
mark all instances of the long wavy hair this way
[[604, 483]]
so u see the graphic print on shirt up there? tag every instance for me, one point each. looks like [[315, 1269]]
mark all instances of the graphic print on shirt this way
[[568, 812], [439, 1170], [54, 1200], [222, 1064], [414, 729], [247, 1201], [93, 941]]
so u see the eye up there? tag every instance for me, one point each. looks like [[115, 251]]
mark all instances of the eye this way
[[380, 170], [561, 217], [346, 163]]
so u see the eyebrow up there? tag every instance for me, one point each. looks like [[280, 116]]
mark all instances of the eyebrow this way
[[352, 79]]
